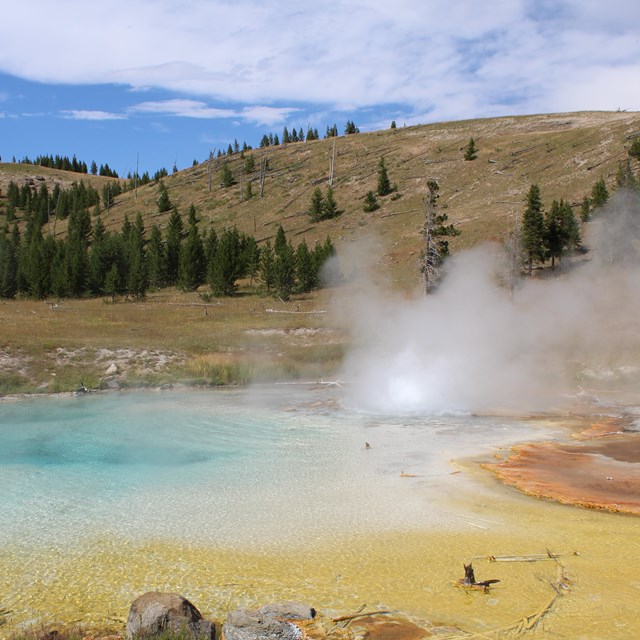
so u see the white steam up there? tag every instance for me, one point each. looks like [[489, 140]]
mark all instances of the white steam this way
[[470, 347]]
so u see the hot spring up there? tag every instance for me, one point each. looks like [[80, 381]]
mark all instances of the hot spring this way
[[238, 498]]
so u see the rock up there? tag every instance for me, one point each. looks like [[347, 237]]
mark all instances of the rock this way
[[289, 611], [112, 370], [263, 624], [154, 613]]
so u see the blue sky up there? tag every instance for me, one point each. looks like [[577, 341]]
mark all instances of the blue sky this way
[[172, 80]]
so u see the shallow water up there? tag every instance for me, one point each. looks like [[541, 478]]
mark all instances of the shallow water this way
[[235, 498]]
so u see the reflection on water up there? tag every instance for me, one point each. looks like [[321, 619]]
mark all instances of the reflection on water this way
[[231, 504]]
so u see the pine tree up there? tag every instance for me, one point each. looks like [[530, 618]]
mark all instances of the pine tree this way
[[470, 152], [599, 194], [164, 203], [98, 257], [370, 202], [350, 128], [173, 246], [316, 210], [112, 282], [585, 209], [306, 273], [266, 271], [286, 139], [625, 178], [384, 184], [226, 175], [249, 164], [393, 124], [227, 264], [330, 207], [156, 259], [634, 149], [77, 251], [9, 248], [533, 228], [137, 280], [192, 262]]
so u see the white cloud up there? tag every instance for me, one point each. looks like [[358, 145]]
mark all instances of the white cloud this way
[[83, 114], [455, 59], [197, 109], [266, 115], [179, 107]]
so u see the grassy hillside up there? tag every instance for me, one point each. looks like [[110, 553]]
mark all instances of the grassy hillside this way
[[564, 153]]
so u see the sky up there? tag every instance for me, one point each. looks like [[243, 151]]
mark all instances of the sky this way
[[164, 83]]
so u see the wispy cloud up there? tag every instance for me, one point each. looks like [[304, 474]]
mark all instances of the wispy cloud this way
[[181, 107], [197, 109], [450, 60], [80, 114]]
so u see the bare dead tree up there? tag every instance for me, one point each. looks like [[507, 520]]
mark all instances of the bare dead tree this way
[[332, 163], [210, 166], [436, 246], [263, 172]]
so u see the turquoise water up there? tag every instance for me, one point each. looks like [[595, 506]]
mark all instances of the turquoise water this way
[[257, 467]]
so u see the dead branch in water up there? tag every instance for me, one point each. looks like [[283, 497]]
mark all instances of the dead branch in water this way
[[364, 614]]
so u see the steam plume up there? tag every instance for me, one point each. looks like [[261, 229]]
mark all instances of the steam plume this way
[[469, 347]]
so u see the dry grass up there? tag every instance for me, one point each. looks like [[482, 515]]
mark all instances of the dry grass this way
[[55, 346]]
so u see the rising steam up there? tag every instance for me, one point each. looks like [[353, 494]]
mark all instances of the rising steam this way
[[471, 347]]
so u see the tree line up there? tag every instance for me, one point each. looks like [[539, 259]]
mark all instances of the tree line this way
[[93, 261]]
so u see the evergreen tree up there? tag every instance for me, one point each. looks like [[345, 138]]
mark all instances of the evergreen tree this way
[[286, 138], [625, 178], [192, 261], [251, 258], [99, 262], [281, 240], [285, 271], [267, 272], [94, 168], [634, 149], [137, 280], [226, 175], [555, 239], [9, 248], [306, 272], [210, 248], [249, 164], [156, 259], [350, 128], [370, 202], [533, 228], [384, 184], [599, 194], [173, 246], [164, 203], [330, 207], [316, 210], [470, 152], [112, 282], [227, 264], [77, 252], [393, 124]]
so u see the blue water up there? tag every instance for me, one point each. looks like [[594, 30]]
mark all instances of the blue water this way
[[221, 467]]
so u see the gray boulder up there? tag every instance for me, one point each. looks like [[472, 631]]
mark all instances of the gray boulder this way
[[154, 613], [270, 622]]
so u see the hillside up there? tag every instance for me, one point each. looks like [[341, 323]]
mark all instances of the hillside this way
[[563, 153], [55, 346]]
